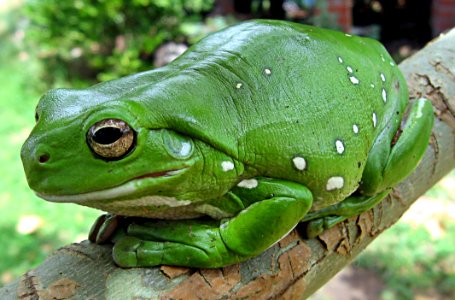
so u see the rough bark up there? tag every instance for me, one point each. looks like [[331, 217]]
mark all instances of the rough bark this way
[[292, 269]]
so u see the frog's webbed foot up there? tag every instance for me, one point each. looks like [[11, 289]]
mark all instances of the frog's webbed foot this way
[[272, 208], [328, 217], [146, 242], [388, 163], [177, 242]]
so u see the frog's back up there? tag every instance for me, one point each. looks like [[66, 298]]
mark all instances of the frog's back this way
[[310, 102]]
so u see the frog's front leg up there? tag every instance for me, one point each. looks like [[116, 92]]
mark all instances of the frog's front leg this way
[[386, 166], [272, 209]]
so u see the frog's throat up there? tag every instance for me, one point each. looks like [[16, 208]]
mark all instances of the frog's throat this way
[[125, 189]]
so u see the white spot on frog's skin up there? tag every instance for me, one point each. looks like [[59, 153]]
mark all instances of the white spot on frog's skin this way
[[347, 34], [372, 86], [375, 120], [392, 63], [354, 80], [355, 128], [382, 58], [340, 147], [227, 166], [248, 183], [299, 163], [335, 183], [384, 95], [340, 59], [267, 71], [238, 85], [349, 69], [383, 77]]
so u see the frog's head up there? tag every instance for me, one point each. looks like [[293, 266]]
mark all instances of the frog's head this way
[[91, 146]]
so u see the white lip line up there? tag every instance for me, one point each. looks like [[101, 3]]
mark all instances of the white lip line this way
[[118, 191]]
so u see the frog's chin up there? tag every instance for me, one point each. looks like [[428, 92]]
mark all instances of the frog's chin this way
[[123, 190]]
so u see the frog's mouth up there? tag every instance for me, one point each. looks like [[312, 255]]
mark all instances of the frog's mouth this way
[[125, 189]]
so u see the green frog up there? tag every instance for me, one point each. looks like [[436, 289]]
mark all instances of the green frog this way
[[218, 155]]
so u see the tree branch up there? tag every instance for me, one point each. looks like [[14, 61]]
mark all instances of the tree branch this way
[[295, 267]]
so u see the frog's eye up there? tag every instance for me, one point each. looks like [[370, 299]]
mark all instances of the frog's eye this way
[[111, 139]]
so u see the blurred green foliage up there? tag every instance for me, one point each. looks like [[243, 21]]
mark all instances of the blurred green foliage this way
[[30, 228], [58, 225], [106, 39], [411, 261]]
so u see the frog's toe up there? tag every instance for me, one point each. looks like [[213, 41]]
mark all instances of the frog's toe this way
[[103, 229], [317, 226], [125, 251], [314, 228], [174, 254], [134, 252]]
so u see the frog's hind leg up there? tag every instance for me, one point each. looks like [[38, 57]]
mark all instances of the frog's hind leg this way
[[386, 166]]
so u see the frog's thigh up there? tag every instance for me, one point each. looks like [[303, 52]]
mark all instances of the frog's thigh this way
[[386, 165]]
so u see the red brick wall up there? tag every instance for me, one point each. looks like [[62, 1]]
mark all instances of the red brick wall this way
[[443, 15], [342, 9]]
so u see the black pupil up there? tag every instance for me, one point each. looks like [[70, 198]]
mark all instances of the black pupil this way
[[107, 135]]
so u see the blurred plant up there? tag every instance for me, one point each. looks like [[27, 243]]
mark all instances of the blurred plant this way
[[314, 12], [412, 261], [87, 39], [196, 31]]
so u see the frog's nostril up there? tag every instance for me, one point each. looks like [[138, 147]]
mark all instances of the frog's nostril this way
[[44, 158]]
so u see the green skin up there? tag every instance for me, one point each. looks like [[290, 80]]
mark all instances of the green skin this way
[[259, 126]]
